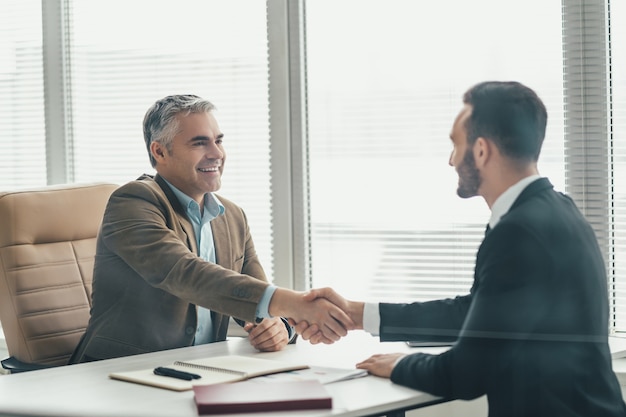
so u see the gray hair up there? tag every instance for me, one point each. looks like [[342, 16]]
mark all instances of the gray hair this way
[[160, 124]]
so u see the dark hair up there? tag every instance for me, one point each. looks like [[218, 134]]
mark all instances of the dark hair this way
[[160, 123], [509, 114]]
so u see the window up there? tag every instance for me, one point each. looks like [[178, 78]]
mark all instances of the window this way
[[383, 87], [618, 160], [337, 137], [122, 62], [386, 223], [22, 123]]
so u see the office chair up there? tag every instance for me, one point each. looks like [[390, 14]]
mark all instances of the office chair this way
[[47, 248]]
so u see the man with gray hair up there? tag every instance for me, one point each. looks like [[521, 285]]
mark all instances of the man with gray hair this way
[[174, 260]]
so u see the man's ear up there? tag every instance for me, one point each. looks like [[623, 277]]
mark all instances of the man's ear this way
[[158, 151], [482, 151]]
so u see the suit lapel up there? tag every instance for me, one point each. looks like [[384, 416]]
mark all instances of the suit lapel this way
[[221, 240], [223, 257], [184, 222]]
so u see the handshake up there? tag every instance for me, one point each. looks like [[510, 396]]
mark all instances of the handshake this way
[[319, 315], [323, 316]]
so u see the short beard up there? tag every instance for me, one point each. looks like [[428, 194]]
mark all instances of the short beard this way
[[469, 176]]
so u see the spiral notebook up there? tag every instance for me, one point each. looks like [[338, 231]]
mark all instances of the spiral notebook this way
[[213, 370]]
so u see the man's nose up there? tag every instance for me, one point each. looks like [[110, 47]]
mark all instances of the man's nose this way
[[214, 152]]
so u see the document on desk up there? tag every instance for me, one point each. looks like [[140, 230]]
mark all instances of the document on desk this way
[[325, 375], [207, 371]]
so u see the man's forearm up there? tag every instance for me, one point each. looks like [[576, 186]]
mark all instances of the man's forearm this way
[[282, 303]]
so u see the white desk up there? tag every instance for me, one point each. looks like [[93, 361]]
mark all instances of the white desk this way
[[86, 390]]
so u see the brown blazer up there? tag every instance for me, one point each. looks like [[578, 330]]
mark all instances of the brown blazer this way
[[148, 278]]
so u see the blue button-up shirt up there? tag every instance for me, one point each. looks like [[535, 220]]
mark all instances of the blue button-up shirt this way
[[206, 250], [201, 222]]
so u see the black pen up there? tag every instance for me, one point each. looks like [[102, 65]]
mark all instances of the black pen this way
[[175, 373]]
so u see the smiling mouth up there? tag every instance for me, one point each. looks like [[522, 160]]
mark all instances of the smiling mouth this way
[[210, 169]]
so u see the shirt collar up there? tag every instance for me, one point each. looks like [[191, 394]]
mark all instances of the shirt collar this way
[[503, 203], [211, 203]]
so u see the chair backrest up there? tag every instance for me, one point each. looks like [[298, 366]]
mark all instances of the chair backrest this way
[[47, 248]]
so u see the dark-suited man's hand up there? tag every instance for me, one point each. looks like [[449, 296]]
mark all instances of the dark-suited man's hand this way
[[381, 365], [269, 335], [331, 321]]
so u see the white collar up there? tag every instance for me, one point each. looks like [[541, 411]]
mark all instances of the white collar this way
[[503, 203]]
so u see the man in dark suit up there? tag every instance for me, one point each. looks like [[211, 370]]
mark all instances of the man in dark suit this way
[[174, 260], [532, 334]]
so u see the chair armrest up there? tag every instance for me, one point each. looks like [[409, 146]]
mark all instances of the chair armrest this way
[[14, 365]]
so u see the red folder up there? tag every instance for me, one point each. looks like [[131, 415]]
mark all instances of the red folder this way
[[250, 396]]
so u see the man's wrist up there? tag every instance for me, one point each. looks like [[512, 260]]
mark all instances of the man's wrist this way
[[355, 311], [279, 302], [262, 309]]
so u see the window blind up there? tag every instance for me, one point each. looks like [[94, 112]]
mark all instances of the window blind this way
[[616, 34], [22, 122], [386, 224], [594, 129], [126, 55]]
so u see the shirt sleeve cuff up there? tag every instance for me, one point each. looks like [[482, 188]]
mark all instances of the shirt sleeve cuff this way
[[262, 309], [371, 318]]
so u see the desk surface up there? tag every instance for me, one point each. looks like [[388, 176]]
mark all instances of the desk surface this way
[[86, 390]]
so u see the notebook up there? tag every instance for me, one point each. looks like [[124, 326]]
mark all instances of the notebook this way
[[252, 396], [213, 370]]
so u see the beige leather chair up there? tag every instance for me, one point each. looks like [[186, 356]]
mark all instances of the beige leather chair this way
[[47, 248]]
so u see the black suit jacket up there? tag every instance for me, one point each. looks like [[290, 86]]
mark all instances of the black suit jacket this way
[[533, 332]]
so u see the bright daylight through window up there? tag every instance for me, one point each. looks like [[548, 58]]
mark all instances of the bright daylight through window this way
[[382, 81], [385, 221]]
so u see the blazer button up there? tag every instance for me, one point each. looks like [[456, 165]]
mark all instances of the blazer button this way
[[190, 330]]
